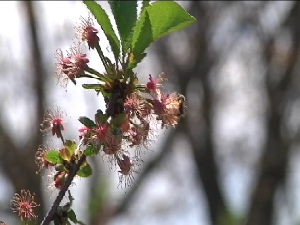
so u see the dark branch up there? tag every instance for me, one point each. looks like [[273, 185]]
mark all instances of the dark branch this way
[[50, 215]]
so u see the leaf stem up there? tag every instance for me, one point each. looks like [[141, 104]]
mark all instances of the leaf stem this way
[[98, 48]]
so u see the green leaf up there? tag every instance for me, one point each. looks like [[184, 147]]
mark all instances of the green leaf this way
[[72, 216], [125, 14], [53, 157], [145, 4], [89, 151], [70, 148], [100, 117], [142, 38], [85, 171], [87, 122], [92, 86], [96, 87], [157, 20], [104, 22]]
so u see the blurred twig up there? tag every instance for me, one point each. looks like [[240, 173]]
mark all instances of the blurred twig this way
[[276, 151], [18, 163]]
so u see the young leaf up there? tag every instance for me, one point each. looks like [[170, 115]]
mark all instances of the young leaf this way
[[70, 146], [100, 117], [89, 151], [72, 216], [85, 171], [69, 149], [104, 22], [87, 122], [53, 157], [157, 20], [125, 14]]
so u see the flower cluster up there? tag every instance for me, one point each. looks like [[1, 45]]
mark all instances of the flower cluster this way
[[119, 134], [130, 120]]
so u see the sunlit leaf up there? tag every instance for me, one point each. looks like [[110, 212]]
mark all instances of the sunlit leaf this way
[[53, 157], [125, 14], [89, 151], [85, 171], [157, 20], [69, 149]]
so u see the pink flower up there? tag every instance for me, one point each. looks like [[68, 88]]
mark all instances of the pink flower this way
[[83, 131], [87, 32], [151, 85], [138, 134], [124, 164], [23, 204], [137, 105], [103, 133], [59, 179], [169, 108], [127, 168], [53, 121], [70, 67]]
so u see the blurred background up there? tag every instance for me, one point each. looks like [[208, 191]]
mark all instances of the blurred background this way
[[233, 159]]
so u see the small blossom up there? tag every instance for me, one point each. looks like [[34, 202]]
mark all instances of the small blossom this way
[[138, 134], [126, 125], [127, 168], [87, 32], [70, 67], [56, 181], [112, 149], [168, 108], [59, 179], [85, 134], [152, 85], [23, 204], [103, 133], [83, 131], [105, 137], [137, 105], [53, 120], [40, 158]]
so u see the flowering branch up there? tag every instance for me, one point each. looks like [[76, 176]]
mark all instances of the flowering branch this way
[[133, 110]]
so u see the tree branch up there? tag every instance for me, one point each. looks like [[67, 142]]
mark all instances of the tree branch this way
[[51, 213]]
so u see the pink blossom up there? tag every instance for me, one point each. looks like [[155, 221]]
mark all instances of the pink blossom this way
[[87, 32], [53, 120], [71, 66], [151, 85], [23, 204]]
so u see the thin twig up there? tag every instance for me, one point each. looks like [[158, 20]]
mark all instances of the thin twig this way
[[50, 215]]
